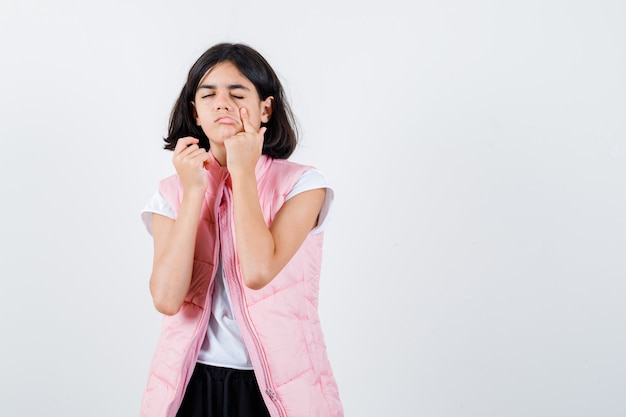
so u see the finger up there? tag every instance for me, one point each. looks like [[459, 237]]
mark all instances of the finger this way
[[189, 149], [199, 154], [245, 118], [205, 158], [183, 143], [207, 163], [185, 152]]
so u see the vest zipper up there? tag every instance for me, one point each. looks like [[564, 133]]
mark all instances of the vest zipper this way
[[246, 319], [268, 383]]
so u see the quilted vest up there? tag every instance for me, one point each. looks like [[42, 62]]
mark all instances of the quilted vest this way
[[279, 323]]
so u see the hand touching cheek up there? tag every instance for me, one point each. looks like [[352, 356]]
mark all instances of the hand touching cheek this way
[[244, 149]]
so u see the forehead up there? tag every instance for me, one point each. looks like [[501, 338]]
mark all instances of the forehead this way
[[224, 73]]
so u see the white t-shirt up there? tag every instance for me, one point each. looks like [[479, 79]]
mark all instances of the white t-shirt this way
[[223, 344]]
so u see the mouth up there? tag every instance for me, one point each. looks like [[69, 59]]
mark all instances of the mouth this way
[[227, 120]]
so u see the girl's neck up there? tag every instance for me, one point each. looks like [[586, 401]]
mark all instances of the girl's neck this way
[[219, 154]]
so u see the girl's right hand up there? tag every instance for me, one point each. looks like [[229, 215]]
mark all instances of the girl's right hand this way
[[190, 162]]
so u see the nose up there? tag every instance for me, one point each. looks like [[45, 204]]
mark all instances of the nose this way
[[223, 102]]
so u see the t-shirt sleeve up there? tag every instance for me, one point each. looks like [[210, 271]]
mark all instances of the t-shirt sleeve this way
[[157, 204], [313, 179]]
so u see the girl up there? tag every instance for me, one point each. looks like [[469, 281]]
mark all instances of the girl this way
[[237, 253]]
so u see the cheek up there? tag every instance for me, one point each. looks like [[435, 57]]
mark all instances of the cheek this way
[[202, 114], [256, 120], [258, 117]]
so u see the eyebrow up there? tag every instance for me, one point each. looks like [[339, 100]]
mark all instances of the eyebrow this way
[[230, 87]]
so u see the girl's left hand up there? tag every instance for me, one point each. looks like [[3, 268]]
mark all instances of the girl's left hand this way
[[244, 149]]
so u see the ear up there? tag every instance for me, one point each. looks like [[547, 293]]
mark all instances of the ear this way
[[267, 106], [195, 113]]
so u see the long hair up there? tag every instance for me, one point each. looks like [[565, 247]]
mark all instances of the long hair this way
[[280, 138]]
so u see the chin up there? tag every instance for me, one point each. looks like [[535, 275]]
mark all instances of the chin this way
[[226, 131], [218, 136]]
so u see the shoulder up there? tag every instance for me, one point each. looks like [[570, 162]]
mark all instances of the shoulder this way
[[171, 181], [287, 165], [282, 174], [171, 187]]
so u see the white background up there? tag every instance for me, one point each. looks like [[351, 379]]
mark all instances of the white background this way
[[475, 261]]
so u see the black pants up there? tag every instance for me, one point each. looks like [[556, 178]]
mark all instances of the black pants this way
[[222, 392]]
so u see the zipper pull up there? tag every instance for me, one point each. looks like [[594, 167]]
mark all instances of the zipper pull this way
[[271, 394]]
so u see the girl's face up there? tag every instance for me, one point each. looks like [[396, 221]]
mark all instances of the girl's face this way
[[220, 95]]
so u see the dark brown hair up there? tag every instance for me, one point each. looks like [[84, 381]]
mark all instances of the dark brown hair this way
[[280, 139]]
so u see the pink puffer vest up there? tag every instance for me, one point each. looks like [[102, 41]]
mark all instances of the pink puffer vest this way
[[279, 322]]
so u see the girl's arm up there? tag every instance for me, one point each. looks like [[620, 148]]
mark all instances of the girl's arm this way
[[263, 251], [174, 240]]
